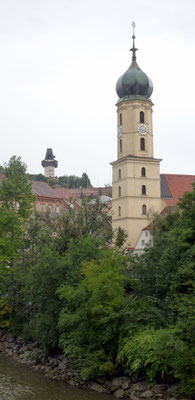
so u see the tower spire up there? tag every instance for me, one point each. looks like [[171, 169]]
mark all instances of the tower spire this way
[[133, 49]]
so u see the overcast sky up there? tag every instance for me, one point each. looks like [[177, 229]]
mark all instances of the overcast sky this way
[[59, 63]]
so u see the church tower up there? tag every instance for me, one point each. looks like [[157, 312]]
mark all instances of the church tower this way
[[49, 164], [136, 173]]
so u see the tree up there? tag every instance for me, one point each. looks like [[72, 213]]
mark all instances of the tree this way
[[38, 177], [16, 200], [90, 318], [165, 277], [85, 181], [120, 237], [73, 181], [41, 302], [91, 219]]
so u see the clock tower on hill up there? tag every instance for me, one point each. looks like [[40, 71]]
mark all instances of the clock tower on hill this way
[[49, 164], [136, 173]]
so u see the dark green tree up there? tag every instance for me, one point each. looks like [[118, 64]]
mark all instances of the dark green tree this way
[[85, 181], [73, 181], [38, 177], [16, 200], [92, 218], [1, 169], [90, 319], [165, 277], [16, 206], [41, 302]]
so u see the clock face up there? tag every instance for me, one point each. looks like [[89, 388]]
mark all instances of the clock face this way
[[142, 129], [119, 131]]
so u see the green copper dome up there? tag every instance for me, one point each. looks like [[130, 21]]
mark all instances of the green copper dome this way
[[134, 83]]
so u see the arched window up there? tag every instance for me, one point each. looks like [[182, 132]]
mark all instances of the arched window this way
[[119, 174], [120, 146], [142, 144], [144, 209], [119, 191], [119, 211], [120, 119], [143, 189], [143, 171], [141, 117]]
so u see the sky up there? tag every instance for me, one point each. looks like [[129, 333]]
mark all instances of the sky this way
[[59, 63]]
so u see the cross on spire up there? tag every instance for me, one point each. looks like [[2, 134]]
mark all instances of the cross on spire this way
[[133, 49]]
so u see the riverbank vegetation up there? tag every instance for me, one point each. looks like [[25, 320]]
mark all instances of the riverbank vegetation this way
[[63, 285]]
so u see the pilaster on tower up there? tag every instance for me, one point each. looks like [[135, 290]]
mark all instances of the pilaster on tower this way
[[49, 163], [136, 173]]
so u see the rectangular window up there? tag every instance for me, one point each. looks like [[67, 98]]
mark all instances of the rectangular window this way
[[143, 242], [146, 233]]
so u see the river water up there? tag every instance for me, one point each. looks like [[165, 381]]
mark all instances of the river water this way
[[19, 382]]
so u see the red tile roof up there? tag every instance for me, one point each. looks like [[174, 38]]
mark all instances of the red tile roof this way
[[44, 190], [63, 193], [178, 185], [147, 228], [77, 193]]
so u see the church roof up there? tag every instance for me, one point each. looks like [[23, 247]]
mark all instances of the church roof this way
[[134, 83], [174, 186]]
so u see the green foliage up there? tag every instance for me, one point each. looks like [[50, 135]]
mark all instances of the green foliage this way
[[165, 276], [158, 354], [81, 250], [68, 181], [5, 314], [43, 178], [120, 237], [91, 219], [39, 231], [89, 319], [15, 190], [41, 300], [2, 169], [85, 181], [72, 181], [16, 204], [38, 177]]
